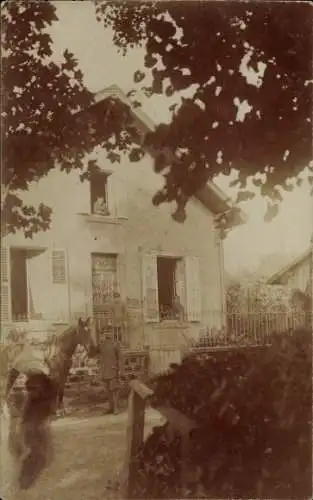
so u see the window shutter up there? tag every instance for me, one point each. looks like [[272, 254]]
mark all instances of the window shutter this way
[[120, 274], [180, 279], [58, 267], [39, 276], [117, 195], [193, 289], [5, 284], [150, 288]]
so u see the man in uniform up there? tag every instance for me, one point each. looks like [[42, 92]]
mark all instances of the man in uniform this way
[[118, 317], [110, 358]]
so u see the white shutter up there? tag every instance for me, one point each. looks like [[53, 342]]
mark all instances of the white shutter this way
[[150, 288], [180, 277], [117, 195], [5, 285], [58, 263], [193, 289], [120, 274], [39, 279]]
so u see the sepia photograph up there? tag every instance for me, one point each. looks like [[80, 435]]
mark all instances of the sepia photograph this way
[[156, 250]]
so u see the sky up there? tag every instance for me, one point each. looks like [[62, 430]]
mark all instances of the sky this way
[[289, 233]]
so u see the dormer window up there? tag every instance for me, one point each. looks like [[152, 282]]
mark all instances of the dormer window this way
[[99, 192]]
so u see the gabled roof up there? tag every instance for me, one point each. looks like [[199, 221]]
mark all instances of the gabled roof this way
[[275, 279], [211, 196]]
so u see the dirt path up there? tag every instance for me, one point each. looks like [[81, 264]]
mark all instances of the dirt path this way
[[89, 452], [152, 418]]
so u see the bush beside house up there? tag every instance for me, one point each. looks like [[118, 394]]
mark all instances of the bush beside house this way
[[253, 409]]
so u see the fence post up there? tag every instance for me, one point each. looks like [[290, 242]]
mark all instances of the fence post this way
[[138, 396], [184, 425]]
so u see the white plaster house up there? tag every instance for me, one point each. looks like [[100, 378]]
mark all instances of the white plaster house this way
[[68, 270]]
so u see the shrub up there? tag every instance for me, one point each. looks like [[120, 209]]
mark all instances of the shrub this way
[[253, 408]]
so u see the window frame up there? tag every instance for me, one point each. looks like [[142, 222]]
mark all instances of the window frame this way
[[104, 175], [100, 308], [176, 259]]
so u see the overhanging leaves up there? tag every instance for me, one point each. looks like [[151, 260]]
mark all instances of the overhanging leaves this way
[[251, 65], [244, 196], [41, 123]]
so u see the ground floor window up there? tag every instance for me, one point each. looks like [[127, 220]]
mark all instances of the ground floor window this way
[[170, 302], [19, 285], [171, 288], [30, 278]]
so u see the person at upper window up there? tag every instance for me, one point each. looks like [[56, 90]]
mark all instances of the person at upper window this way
[[100, 206]]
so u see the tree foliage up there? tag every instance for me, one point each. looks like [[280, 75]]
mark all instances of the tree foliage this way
[[204, 47], [200, 48], [41, 123], [257, 450]]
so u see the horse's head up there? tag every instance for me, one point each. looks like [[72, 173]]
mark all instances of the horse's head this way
[[87, 336]]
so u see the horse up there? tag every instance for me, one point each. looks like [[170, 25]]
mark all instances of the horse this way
[[25, 418], [60, 357], [29, 412]]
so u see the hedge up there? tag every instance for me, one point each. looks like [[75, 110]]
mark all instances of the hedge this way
[[253, 408]]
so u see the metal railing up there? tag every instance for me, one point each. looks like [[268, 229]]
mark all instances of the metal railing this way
[[258, 327], [214, 325]]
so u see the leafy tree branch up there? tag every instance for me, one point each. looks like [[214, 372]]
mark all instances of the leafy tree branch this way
[[248, 68]]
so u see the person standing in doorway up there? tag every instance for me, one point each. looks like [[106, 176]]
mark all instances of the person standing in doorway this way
[[110, 359], [118, 317], [178, 309]]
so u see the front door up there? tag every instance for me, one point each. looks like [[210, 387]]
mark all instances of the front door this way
[[104, 282]]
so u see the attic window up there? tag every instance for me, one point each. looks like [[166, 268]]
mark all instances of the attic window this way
[[99, 192]]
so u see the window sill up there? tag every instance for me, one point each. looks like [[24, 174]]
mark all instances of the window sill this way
[[171, 324], [34, 322], [103, 219], [172, 320]]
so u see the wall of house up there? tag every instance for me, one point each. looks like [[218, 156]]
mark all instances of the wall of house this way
[[153, 230], [135, 229], [299, 276]]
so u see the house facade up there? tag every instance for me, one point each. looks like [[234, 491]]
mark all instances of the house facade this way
[[106, 235], [298, 276]]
